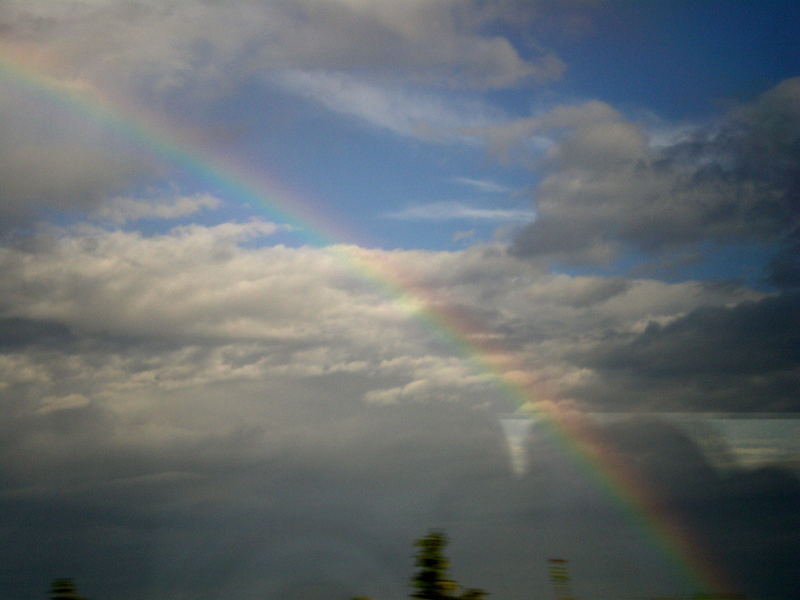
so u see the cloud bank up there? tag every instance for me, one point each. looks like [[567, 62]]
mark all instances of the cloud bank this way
[[607, 189]]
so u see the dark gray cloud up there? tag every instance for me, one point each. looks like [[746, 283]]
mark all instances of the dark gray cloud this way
[[246, 512], [745, 520], [336, 503], [608, 190], [783, 270], [20, 333], [745, 357], [170, 461]]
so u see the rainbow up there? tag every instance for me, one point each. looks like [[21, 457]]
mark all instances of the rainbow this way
[[575, 433]]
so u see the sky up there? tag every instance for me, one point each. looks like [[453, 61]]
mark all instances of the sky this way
[[286, 284]]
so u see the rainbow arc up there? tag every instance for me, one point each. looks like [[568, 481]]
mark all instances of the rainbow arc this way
[[470, 338]]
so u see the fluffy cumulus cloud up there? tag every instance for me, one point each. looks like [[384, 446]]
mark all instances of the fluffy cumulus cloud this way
[[109, 315], [608, 188], [103, 312]]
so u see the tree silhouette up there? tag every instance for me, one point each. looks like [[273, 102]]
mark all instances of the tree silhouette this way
[[431, 581], [64, 589]]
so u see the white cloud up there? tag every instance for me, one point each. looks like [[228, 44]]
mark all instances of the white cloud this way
[[171, 43], [461, 236], [403, 66], [56, 403], [124, 210], [404, 111], [195, 308], [484, 185], [456, 211]]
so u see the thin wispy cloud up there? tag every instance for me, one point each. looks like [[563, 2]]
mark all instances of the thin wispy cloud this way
[[463, 236], [457, 211], [124, 210], [484, 185], [419, 113]]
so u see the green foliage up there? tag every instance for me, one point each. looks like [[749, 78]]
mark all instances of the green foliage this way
[[432, 582], [64, 589]]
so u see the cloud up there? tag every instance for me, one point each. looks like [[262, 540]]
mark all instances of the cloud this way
[[192, 53], [54, 403], [16, 332], [606, 189], [783, 270], [402, 66], [463, 236], [720, 358], [53, 159], [199, 413], [192, 413], [389, 106], [174, 44], [188, 282], [112, 314], [707, 501], [124, 210], [450, 211], [345, 492], [483, 185]]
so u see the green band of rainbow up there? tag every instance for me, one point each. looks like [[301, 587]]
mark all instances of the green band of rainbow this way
[[471, 339]]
